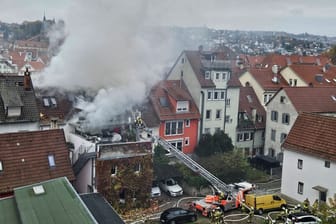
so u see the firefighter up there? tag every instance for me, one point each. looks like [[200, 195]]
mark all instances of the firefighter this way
[[305, 205], [250, 215], [216, 215], [315, 207]]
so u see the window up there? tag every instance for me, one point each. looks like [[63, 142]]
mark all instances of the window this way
[[187, 123], [222, 95], [282, 99], [114, 170], [295, 82], [182, 60], [182, 106], [274, 115], [186, 141], [208, 114], [273, 134], [247, 136], [239, 137], [285, 118], [227, 119], [174, 127], [216, 95], [265, 98], [177, 144], [326, 164], [137, 168], [207, 75], [1, 167], [181, 73], [217, 129], [206, 130], [218, 114], [300, 164], [226, 75], [209, 95], [217, 75], [300, 187], [51, 160], [283, 136], [291, 82], [271, 152], [228, 102]]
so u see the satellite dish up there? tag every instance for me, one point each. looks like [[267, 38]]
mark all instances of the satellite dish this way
[[275, 69]]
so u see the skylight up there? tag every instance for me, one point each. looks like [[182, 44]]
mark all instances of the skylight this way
[[327, 80], [249, 98], [53, 101], [38, 190], [51, 160], [46, 102], [333, 97], [1, 168], [163, 102]]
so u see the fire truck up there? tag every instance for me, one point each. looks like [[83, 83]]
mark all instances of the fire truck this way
[[225, 200]]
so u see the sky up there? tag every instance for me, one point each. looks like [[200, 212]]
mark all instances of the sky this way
[[294, 16]]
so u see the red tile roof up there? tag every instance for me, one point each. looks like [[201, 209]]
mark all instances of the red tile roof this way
[[313, 134], [264, 77], [285, 60], [312, 99], [24, 157], [309, 73], [173, 89], [194, 58]]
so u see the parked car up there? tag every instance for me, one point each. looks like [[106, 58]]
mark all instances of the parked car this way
[[171, 187], [156, 192], [177, 215], [302, 218]]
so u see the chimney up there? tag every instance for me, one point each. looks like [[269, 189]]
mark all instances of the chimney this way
[[27, 80]]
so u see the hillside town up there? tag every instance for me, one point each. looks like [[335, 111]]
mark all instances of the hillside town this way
[[272, 96]]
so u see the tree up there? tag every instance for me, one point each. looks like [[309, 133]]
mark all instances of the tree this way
[[160, 155], [331, 53], [211, 144]]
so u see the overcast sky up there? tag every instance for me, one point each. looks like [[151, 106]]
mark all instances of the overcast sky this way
[[295, 16]]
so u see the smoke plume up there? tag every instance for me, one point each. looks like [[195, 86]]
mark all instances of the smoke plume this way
[[112, 52]]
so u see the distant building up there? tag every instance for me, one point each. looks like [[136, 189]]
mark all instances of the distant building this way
[[309, 163]]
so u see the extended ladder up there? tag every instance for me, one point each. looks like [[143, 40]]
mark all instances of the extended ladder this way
[[212, 179]]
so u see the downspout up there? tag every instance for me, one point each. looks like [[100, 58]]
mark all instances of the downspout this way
[[202, 113], [225, 109]]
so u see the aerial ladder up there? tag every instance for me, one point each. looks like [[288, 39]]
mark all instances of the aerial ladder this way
[[212, 179]]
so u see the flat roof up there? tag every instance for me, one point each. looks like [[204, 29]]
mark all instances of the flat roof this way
[[55, 202], [8, 211]]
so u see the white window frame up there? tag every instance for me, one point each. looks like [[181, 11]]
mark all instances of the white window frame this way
[[186, 141], [206, 113], [137, 168], [207, 75], [115, 168], [187, 123], [218, 114], [273, 135], [300, 187], [171, 124], [300, 164]]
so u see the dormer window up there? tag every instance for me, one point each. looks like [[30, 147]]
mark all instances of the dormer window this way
[[1, 167], [182, 106], [51, 160], [207, 75]]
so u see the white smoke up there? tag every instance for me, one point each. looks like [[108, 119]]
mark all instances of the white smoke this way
[[112, 51]]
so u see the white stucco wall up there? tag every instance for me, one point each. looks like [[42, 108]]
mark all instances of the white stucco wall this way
[[278, 126], [84, 178], [313, 173], [81, 145]]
